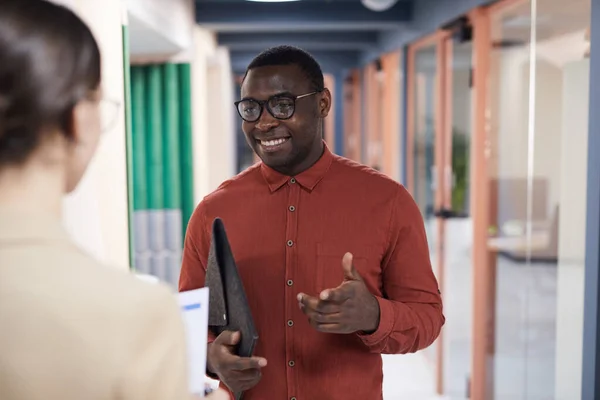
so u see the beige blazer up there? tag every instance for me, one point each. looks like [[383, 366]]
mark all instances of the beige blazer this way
[[73, 329]]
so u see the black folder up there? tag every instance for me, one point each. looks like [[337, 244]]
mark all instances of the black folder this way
[[228, 305]]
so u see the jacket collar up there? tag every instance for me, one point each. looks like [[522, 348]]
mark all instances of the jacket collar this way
[[19, 227], [308, 179]]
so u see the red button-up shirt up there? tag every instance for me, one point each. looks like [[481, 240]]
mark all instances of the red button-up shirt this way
[[288, 235]]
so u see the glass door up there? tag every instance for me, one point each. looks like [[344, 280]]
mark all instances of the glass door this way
[[536, 126], [455, 212], [439, 151], [425, 159]]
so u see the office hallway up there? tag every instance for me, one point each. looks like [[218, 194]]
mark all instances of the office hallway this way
[[408, 377]]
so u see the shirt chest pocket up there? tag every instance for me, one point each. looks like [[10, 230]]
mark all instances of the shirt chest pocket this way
[[330, 273]]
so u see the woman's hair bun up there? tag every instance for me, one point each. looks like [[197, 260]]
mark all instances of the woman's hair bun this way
[[49, 59]]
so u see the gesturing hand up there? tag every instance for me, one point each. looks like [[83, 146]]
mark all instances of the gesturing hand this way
[[237, 373], [346, 309]]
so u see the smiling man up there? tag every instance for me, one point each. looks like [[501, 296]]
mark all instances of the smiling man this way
[[333, 254]]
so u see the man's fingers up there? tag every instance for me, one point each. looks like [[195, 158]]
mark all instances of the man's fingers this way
[[248, 375], [247, 363], [325, 318], [228, 338], [319, 311], [328, 328], [246, 385], [307, 302], [339, 294]]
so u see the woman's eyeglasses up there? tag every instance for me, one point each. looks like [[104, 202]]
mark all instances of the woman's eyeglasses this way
[[109, 113], [279, 106]]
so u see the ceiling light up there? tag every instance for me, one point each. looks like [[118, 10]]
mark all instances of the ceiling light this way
[[379, 5], [272, 1]]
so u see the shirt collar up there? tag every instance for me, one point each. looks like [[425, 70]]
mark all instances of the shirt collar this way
[[18, 227], [307, 179]]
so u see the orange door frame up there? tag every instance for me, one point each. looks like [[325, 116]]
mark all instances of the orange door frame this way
[[441, 120], [484, 196]]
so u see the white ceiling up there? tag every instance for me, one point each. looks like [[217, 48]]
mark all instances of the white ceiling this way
[[160, 27]]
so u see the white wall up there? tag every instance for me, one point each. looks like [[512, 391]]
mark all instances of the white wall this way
[[96, 214], [212, 104], [461, 102], [573, 175]]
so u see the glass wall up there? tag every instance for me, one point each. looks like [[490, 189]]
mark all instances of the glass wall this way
[[537, 146], [458, 225], [439, 137], [422, 141]]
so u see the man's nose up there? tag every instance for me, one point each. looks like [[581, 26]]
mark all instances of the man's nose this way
[[266, 122]]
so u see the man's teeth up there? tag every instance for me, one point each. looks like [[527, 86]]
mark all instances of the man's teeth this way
[[274, 142]]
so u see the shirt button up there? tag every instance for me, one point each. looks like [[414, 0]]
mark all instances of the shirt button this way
[[292, 208], [293, 180], [291, 363], [290, 323], [290, 282], [290, 243], [293, 398]]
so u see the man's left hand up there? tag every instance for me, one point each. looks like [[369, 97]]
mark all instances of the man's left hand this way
[[348, 308]]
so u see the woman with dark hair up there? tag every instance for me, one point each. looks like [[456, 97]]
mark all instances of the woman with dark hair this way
[[70, 328]]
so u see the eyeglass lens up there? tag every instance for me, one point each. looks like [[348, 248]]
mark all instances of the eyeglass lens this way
[[279, 107], [109, 111]]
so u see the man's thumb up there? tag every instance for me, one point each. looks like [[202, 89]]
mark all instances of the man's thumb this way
[[350, 272]]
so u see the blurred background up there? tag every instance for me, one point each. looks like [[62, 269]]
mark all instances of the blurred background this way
[[480, 108]]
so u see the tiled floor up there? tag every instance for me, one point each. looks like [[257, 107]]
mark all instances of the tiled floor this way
[[408, 377]]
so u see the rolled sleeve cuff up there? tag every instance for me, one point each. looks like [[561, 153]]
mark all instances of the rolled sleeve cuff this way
[[386, 324]]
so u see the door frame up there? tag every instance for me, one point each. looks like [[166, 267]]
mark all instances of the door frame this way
[[353, 118], [483, 337], [483, 190], [441, 40], [329, 123], [483, 198]]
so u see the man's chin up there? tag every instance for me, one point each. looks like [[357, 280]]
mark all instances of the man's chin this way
[[274, 162], [278, 162]]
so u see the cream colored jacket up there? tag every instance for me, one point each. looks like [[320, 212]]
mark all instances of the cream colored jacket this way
[[73, 329]]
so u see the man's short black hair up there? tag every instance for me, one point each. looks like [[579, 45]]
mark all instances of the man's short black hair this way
[[290, 55]]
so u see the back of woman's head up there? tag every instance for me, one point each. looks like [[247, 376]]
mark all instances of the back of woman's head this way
[[49, 62]]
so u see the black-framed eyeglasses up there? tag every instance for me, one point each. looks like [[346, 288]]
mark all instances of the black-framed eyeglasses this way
[[280, 106]]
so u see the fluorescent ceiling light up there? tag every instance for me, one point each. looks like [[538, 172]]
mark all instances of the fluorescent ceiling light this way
[[525, 21]]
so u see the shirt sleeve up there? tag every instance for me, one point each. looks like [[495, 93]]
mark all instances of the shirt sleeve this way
[[195, 255], [411, 307], [195, 252]]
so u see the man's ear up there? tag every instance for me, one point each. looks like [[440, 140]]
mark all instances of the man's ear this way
[[325, 103]]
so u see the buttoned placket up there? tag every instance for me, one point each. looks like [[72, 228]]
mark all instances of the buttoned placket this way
[[291, 302]]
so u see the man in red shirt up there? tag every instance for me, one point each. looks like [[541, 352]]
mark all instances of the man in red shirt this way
[[333, 254]]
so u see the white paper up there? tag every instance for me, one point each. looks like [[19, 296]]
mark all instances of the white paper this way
[[194, 309]]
